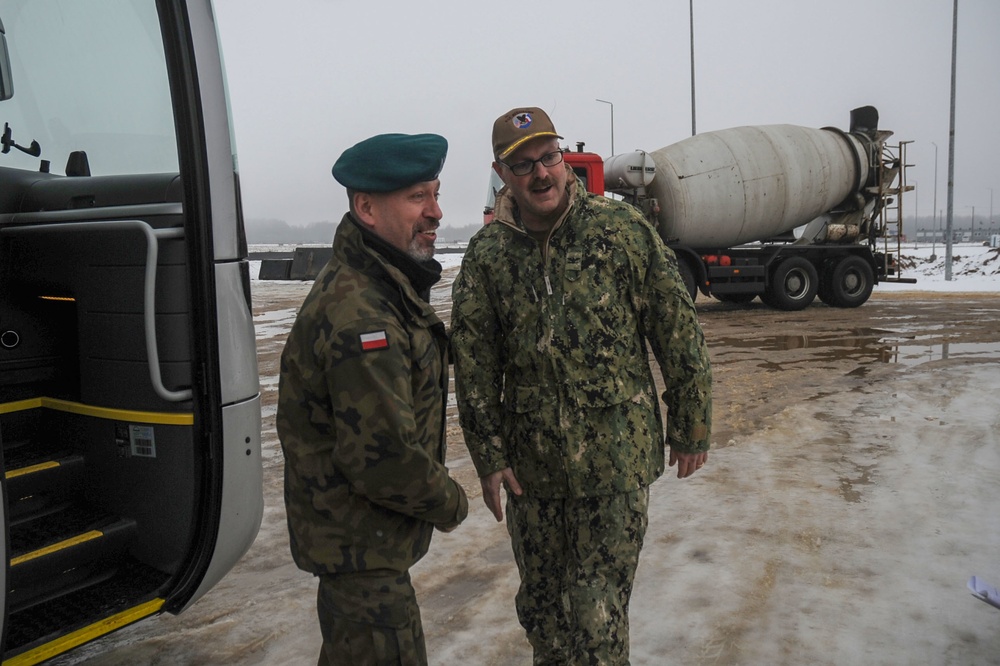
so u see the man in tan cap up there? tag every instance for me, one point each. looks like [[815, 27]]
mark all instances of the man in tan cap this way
[[554, 306]]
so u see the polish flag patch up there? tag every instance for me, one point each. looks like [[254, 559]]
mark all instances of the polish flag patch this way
[[374, 341]]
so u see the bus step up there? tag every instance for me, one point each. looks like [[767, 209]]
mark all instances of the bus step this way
[[37, 483], [85, 612], [64, 551]]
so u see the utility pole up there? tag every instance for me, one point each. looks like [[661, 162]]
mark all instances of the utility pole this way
[[691, 15], [951, 149]]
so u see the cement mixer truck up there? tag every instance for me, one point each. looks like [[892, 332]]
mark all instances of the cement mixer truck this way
[[782, 212]]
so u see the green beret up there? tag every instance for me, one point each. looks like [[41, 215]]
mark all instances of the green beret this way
[[390, 162]]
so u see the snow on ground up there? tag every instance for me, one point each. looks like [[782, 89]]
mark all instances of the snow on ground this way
[[975, 268]]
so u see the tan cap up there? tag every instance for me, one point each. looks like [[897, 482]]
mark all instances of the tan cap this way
[[517, 126]]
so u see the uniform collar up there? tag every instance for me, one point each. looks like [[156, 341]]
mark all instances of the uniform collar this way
[[422, 275]]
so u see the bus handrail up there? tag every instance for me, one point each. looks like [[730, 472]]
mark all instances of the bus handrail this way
[[153, 236]]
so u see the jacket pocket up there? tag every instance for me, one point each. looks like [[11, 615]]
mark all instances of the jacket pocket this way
[[389, 539], [606, 392], [523, 399]]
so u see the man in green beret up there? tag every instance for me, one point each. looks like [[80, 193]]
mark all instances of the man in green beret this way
[[361, 407]]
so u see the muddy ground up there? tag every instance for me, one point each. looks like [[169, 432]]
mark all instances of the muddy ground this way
[[853, 488]]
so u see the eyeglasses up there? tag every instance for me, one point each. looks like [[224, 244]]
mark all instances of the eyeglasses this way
[[527, 166]]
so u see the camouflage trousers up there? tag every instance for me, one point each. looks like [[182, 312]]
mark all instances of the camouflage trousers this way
[[577, 559], [370, 618]]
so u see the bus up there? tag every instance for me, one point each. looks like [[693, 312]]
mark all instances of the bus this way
[[129, 395]]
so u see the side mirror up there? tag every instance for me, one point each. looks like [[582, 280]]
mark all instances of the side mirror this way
[[6, 83]]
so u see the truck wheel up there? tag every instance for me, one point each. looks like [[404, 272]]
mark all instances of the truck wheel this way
[[825, 292], [688, 276], [793, 284], [851, 282]]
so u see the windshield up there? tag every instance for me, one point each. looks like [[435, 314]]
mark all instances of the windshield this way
[[87, 75]]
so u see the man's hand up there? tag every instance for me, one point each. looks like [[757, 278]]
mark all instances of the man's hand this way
[[687, 463], [491, 489]]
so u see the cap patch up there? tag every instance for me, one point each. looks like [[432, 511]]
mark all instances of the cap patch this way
[[518, 126], [522, 121], [374, 341]]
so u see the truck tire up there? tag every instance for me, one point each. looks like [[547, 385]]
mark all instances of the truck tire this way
[[851, 282], [793, 285], [688, 276], [825, 292]]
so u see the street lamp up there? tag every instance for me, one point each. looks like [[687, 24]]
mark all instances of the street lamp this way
[[604, 101], [951, 146], [934, 217], [691, 15]]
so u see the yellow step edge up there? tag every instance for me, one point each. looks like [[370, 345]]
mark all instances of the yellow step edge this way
[[31, 469], [164, 418], [86, 634], [61, 545]]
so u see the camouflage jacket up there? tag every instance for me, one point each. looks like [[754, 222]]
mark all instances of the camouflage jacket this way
[[549, 340], [361, 403]]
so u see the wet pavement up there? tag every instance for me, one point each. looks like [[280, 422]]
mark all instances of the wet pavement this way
[[851, 491], [764, 358]]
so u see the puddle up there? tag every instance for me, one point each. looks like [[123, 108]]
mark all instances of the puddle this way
[[917, 354], [864, 345]]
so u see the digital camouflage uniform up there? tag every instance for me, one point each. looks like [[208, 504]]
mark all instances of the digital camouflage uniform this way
[[553, 380], [361, 421]]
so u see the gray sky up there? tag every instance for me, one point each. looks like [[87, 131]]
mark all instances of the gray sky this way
[[309, 78]]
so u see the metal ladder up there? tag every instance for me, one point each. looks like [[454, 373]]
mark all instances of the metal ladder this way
[[892, 167]]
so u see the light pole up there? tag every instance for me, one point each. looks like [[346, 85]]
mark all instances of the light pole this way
[[604, 101], [691, 15], [934, 212], [951, 147], [991, 206]]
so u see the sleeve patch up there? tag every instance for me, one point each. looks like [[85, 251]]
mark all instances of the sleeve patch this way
[[374, 341]]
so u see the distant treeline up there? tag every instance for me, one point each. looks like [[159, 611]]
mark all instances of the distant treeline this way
[[963, 221], [279, 231]]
